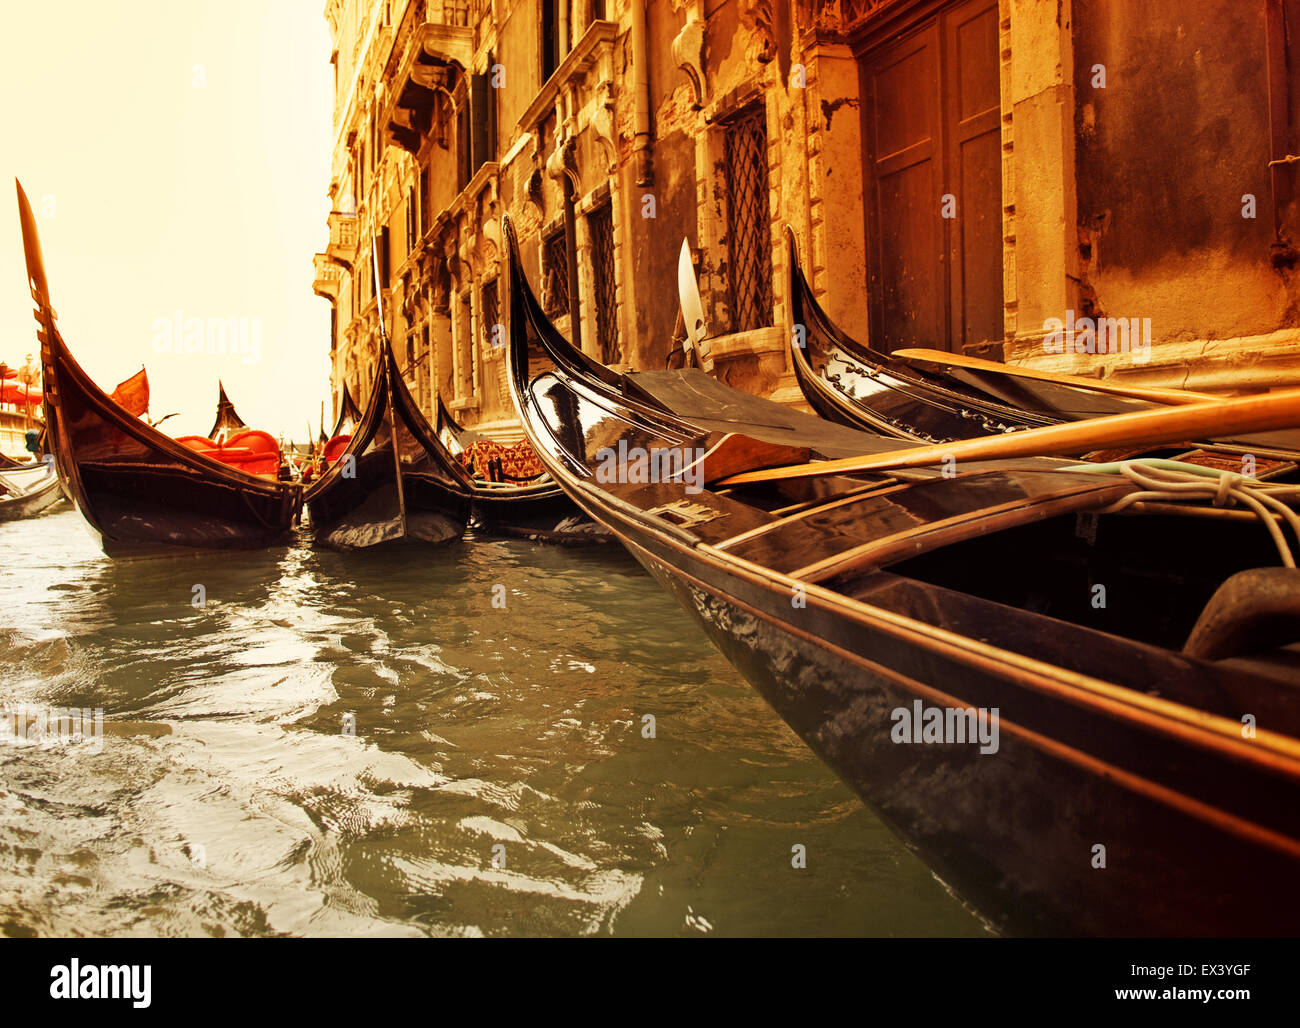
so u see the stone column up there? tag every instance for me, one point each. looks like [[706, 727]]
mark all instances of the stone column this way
[[1038, 181]]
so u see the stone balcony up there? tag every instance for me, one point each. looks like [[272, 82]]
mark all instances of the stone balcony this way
[[342, 247], [328, 280], [433, 51]]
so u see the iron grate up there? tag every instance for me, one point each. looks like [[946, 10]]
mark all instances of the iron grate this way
[[555, 266], [749, 237], [601, 224], [490, 309]]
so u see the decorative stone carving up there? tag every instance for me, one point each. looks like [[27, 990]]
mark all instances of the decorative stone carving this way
[[769, 20], [601, 123], [688, 52], [564, 161], [533, 190], [854, 12]]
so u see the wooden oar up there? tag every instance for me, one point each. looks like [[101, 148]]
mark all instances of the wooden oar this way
[[1262, 413], [958, 360]]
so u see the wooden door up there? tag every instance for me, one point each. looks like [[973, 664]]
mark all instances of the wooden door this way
[[932, 146]]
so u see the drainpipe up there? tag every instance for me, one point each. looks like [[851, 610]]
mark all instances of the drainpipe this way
[[643, 165], [571, 255]]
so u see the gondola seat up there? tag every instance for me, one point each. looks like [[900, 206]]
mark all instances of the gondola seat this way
[[335, 448], [493, 462], [253, 451]]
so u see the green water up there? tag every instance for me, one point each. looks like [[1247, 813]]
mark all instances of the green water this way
[[498, 781]]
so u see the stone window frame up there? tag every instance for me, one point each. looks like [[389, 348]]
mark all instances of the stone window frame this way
[[605, 193], [710, 179]]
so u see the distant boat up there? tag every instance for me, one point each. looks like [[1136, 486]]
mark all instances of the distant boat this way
[[1128, 767], [936, 397], [27, 490], [140, 491]]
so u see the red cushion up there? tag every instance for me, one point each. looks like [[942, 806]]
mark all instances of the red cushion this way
[[254, 451], [335, 447], [255, 440]]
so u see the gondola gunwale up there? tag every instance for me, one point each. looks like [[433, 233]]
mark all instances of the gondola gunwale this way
[[676, 553]]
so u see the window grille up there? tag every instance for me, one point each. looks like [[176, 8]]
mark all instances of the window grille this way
[[490, 311], [600, 222], [749, 236], [555, 268]]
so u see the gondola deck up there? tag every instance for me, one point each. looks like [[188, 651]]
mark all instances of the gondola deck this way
[[1124, 796]]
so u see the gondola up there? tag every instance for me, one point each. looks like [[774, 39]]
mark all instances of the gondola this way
[[535, 509], [393, 481], [944, 398], [27, 490], [846, 381], [140, 491], [227, 419], [1144, 775]]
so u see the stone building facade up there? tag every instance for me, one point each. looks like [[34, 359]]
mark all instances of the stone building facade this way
[[957, 173]]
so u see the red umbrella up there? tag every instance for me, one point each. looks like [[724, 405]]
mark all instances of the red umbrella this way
[[20, 394]]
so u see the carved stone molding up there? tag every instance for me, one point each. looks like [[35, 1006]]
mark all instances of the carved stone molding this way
[[769, 21], [688, 52], [533, 190], [602, 127], [564, 161]]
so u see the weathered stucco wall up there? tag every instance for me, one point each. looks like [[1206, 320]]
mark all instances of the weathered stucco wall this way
[[1165, 152]]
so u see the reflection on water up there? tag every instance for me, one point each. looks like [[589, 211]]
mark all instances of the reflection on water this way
[[313, 743]]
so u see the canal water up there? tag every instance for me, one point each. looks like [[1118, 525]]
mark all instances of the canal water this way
[[301, 742]]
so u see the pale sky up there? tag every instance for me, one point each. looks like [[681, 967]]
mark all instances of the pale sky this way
[[176, 153]]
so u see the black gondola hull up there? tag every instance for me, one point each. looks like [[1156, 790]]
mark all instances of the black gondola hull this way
[[140, 491], [395, 482], [1015, 833], [1097, 808], [542, 515]]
